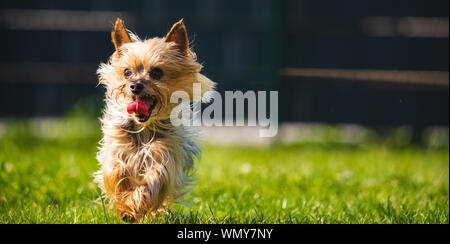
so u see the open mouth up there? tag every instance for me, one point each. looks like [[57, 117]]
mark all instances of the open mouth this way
[[142, 107]]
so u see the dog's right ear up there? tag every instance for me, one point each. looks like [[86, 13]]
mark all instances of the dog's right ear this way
[[120, 35]]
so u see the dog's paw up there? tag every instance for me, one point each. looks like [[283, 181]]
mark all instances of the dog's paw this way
[[127, 217]]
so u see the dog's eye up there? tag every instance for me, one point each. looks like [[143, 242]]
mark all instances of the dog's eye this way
[[156, 73], [127, 73]]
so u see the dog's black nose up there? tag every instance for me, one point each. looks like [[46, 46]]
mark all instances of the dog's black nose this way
[[136, 87]]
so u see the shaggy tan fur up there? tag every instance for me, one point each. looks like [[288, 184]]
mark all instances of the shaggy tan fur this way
[[146, 165]]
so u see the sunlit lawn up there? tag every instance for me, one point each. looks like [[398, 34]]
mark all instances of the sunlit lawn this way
[[48, 179]]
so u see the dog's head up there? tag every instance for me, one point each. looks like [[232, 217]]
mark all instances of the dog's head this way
[[141, 75]]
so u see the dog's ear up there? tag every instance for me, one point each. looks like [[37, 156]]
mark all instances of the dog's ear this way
[[178, 34], [120, 35]]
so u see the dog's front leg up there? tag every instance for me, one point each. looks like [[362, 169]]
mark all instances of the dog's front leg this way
[[114, 179], [148, 195]]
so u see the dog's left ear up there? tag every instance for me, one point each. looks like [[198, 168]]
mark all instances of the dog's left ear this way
[[120, 35], [178, 34]]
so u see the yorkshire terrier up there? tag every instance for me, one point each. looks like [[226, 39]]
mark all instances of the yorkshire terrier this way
[[146, 162]]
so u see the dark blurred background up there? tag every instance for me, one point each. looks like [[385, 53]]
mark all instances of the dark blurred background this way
[[375, 62]]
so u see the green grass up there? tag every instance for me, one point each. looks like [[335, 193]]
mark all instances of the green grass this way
[[47, 178]]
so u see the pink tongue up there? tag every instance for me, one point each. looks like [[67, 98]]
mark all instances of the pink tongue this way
[[137, 107]]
